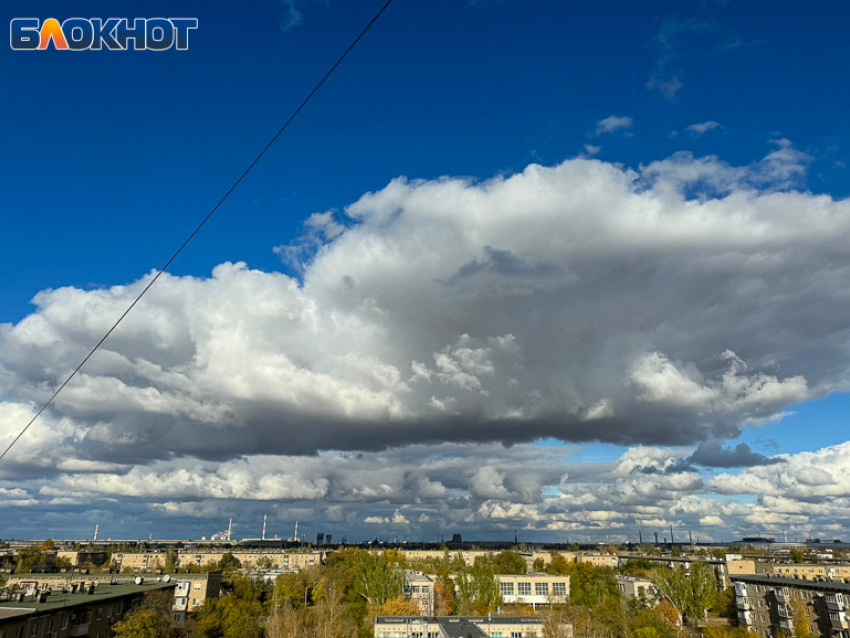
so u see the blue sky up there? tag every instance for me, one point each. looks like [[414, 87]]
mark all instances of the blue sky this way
[[115, 156], [110, 159]]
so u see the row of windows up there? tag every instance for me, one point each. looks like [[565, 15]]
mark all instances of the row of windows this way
[[540, 589], [76, 619]]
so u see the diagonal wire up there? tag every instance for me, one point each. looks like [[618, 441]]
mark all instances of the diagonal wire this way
[[199, 227]]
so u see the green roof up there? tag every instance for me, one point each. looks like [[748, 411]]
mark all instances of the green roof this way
[[103, 592]]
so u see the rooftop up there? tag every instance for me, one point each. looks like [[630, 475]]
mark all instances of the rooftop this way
[[59, 599], [784, 581], [502, 620]]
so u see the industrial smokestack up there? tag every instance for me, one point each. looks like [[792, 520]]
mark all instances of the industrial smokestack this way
[[265, 516]]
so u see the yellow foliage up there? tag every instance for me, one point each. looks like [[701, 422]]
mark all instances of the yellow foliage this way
[[399, 606]]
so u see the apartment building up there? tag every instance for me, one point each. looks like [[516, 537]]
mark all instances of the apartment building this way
[[142, 562], [460, 627], [546, 557], [287, 561], [190, 590], [598, 560], [152, 561], [420, 588], [427, 554], [88, 611], [809, 571], [533, 589], [765, 605], [95, 557], [638, 588]]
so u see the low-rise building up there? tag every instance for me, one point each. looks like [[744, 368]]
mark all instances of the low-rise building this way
[[419, 588], [533, 589], [460, 627], [71, 611], [638, 588]]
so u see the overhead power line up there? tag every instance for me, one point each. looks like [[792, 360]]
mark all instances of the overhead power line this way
[[199, 227]]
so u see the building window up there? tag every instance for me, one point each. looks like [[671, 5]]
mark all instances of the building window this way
[[64, 622], [524, 589], [516, 634], [541, 589], [506, 589], [99, 613], [559, 589], [496, 634]]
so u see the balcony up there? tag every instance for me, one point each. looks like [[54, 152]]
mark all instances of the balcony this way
[[743, 603], [79, 630], [834, 602], [782, 595], [745, 618], [838, 621], [784, 611], [787, 625]]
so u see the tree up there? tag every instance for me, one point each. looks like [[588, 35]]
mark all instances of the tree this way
[[332, 621], [722, 602], [591, 585], [31, 559], [510, 562], [293, 588], [559, 565], [645, 632], [228, 617], [229, 562], [395, 557], [287, 622], [691, 594], [555, 622], [151, 620], [47, 545], [797, 556], [376, 579], [399, 606], [669, 613], [800, 617], [653, 619], [478, 591], [170, 561]]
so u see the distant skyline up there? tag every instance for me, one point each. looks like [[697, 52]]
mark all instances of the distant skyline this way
[[567, 270]]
